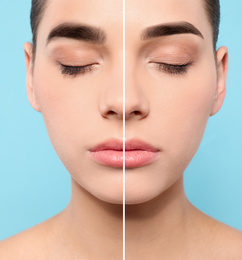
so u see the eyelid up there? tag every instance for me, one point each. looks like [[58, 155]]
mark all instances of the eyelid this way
[[172, 68], [76, 70], [173, 64]]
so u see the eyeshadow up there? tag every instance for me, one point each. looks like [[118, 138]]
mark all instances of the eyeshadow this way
[[178, 48], [73, 55]]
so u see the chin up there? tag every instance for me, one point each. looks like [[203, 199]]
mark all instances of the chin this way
[[111, 195], [144, 186], [130, 199], [134, 197], [117, 200]]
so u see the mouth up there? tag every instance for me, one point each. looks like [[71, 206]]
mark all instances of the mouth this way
[[137, 153]]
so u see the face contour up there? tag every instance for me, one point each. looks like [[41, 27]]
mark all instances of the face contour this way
[[75, 101], [172, 85], [176, 84]]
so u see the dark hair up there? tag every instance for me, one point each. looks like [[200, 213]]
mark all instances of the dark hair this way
[[37, 11], [212, 8]]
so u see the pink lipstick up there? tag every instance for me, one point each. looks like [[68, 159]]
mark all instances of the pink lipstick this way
[[137, 153]]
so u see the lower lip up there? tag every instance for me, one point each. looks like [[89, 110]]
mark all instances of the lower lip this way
[[133, 158]]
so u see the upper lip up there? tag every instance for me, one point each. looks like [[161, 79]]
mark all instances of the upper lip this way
[[130, 145]]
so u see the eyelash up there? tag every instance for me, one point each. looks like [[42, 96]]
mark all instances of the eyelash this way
[[174, 69], [75, 70]]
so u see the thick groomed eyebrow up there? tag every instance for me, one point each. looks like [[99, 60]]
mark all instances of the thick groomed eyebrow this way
[[77, 32], [169, 29]]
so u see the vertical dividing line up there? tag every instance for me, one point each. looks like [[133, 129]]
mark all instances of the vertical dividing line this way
[[123, 129]]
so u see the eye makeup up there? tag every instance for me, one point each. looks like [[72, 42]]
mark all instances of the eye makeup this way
[[76, 70], [73, 60], [175, 69], [173, 55], [171, 63]]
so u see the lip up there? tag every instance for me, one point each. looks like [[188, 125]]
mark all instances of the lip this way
[[137, 153]]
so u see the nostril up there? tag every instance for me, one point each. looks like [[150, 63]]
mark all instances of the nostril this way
[[111, 112], [135, 113]]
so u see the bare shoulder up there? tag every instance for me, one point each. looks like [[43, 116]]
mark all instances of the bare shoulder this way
[[229, 241], [33, 243], [217, 240]]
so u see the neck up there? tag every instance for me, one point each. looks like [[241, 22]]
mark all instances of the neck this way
[[150, 228], [156, 226], [91, 223]]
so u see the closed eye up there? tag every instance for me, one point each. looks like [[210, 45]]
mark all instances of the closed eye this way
[[76, 70], [176, 69]]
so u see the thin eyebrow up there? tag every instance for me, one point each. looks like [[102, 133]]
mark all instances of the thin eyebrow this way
[[170, 29], [78, 32]]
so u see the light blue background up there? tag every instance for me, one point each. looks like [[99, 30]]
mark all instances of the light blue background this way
[[34, 185]]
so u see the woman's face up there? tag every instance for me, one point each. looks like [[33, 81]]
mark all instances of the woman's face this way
[[173, 83]]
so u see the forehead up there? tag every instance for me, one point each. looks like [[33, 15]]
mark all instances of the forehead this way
[[146, 13], [164, 9], [91, 11], [107, 14], [139, 14]]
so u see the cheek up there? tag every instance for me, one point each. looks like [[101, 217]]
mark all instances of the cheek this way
[[189, 113], [181, 107], [67, 107]]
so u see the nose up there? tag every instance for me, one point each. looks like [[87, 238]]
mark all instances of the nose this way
[[113, 105], [136, 102], [111, 99]]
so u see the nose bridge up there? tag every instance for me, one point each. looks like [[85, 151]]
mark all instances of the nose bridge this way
[[136, 102], [111, 99], [132, 91]]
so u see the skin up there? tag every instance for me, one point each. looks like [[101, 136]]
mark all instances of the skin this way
[[167, 110]]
